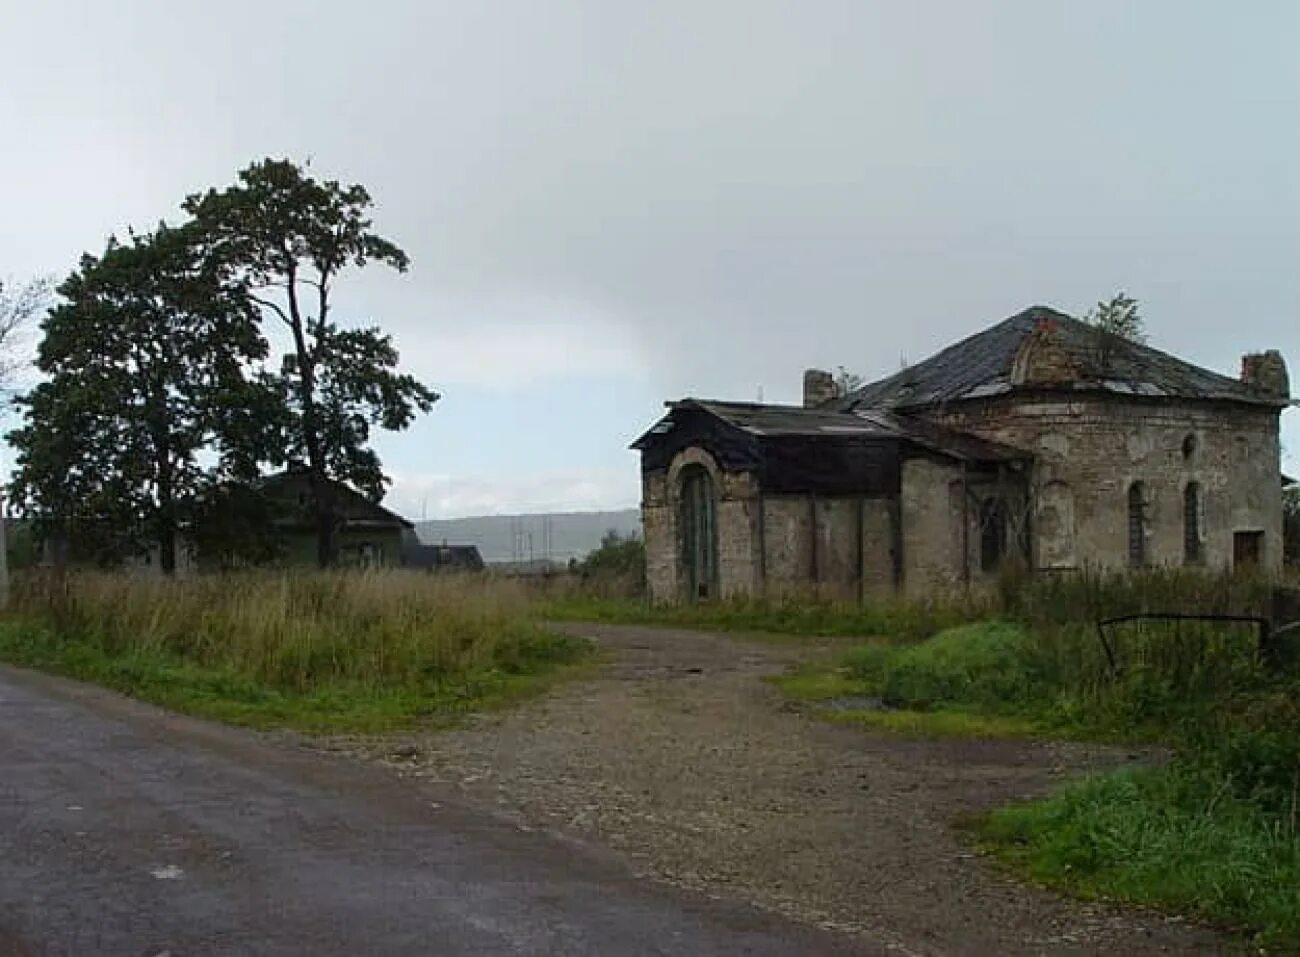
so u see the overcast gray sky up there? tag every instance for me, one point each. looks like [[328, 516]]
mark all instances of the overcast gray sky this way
[[608, 204]]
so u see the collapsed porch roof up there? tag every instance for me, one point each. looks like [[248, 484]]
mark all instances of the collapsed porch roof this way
[[796, 449]]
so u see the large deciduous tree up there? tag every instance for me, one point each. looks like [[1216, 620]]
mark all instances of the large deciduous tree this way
[[291, 237], [147, 362]]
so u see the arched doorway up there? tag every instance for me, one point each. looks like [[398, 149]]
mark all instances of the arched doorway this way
[[699, 534]]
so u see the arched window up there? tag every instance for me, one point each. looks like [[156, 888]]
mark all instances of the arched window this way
[[1137, 525], [993, 533], [699, 535], [1192, 523], [1055, 525]]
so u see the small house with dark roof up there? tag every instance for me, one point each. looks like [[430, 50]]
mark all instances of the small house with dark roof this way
[[366, 534], [1040, 441], [439, 558]]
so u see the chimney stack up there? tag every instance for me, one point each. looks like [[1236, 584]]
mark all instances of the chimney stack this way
[[1266, 371], [819, 388]]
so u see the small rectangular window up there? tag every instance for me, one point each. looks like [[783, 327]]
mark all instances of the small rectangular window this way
[[1192, 523], [1137, 526], [1247, 550]]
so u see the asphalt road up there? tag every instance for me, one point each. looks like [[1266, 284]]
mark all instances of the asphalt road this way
[[128, 830]]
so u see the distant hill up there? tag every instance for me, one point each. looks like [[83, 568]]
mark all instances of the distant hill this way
[[558, 536]]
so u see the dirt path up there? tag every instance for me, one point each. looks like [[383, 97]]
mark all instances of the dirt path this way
[[677, 755]]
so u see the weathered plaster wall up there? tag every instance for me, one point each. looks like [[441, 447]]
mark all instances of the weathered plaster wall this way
[[795, 543], [659, 529], [1088, 451], [930, 506], [815, 543]]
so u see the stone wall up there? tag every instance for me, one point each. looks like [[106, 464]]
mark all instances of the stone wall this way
[[1089, 451], [736, 497], [813, 542], [769, 543], [1073, 508]]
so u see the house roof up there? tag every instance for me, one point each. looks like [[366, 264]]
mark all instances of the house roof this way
[[358, 512], [982, 365], [792, 420], [419, 555]]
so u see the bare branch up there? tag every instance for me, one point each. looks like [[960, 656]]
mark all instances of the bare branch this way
[[18, 307], [274, 307]]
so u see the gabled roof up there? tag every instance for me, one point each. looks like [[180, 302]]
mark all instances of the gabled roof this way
[[791, 420], [355, 509], [983, 365]]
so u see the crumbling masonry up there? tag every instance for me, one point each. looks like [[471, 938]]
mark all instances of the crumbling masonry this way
[[1036, 441]]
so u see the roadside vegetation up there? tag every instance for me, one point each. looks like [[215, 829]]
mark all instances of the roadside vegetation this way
[[314, 651], [1213, 831]]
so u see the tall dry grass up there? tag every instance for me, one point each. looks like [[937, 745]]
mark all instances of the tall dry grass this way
[[296, 630]]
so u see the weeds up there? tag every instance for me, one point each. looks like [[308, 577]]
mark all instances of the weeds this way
[[308, 650], [1212, 834], [1177, 837]]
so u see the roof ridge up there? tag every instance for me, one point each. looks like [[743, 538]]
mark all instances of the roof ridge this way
[[981, 364]]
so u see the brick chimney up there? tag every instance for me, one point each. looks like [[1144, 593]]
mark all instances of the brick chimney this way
[[1265, 371], [819, 388]]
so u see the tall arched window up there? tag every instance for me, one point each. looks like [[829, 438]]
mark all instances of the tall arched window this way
[[699, 533], [993, 533], [1192, 523], [1137, 525]]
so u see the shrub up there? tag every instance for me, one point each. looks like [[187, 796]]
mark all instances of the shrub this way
[[616, 568], [991, 665]]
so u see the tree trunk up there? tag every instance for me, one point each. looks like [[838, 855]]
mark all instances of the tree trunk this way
[[165, 523], [321, 490], [167, 546]]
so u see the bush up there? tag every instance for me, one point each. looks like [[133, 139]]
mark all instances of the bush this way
[[990, 665], [616, 568]]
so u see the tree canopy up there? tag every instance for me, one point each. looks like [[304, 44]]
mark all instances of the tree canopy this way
[[146, 360], [162, 400], [290, 237]]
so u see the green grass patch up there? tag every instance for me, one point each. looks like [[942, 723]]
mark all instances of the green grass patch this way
[[800, 615], [314, 652], [1178, 838], [224, 694], [1213, 835], [938, 724]]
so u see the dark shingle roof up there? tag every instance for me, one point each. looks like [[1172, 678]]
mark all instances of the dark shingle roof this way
[[788, 419], [793, 420], [981, 366]]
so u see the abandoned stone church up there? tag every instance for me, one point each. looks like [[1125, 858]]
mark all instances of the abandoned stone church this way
[[1039, 441]]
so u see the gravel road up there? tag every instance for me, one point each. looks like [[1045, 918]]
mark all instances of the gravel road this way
[[677, 756]]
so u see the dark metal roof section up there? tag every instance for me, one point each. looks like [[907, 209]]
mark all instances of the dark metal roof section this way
[[981, 366], [779, 421]]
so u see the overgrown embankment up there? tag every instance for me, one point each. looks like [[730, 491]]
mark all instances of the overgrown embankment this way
[[312, 651], [1213, 833]]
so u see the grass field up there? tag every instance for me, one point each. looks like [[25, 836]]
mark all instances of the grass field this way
[[312, 651]]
